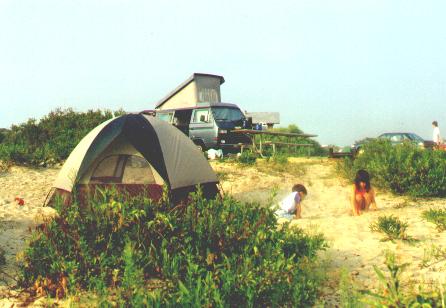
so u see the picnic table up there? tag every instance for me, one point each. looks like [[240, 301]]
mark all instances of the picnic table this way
[[257, 138]]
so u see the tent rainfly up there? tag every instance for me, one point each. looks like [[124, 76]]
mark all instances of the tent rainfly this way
[[135, 153]]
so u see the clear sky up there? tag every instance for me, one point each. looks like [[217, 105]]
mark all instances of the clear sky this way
[[340, 69]]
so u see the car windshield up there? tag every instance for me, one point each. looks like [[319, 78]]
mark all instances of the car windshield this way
[[227, 114], [400, 137], [415, 137]]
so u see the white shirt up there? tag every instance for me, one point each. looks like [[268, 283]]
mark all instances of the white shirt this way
[[288, 204], [436, 136]]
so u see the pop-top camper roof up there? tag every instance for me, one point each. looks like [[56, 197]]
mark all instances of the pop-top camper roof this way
[[197, 88]]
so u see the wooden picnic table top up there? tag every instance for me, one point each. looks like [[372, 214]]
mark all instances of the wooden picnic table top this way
[[266, 132]]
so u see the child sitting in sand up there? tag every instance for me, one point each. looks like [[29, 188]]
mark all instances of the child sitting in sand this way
[[291, 205], [363, 195]]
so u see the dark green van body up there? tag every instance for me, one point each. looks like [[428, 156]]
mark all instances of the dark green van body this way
[[209, 125]]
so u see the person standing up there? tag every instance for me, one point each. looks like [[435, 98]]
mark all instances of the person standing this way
[[436, 134]]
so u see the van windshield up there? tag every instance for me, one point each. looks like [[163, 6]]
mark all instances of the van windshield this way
[[227, 114]]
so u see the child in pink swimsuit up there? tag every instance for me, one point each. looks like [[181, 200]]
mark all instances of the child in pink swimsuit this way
[[363, 195]]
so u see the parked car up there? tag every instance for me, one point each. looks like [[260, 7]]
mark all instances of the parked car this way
[[209, 125], [396, 138]]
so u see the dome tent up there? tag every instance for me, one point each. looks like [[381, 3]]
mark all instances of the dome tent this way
[[135, 153]]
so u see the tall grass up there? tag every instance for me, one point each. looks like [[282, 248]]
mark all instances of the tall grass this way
[[209, 253]]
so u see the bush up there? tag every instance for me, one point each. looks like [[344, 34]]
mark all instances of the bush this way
[[51, 139], [436, 216], [247, 158], [392, 226], [403, 168], [210, 253], [3, 133]]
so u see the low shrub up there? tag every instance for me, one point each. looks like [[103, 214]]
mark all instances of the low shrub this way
[[437, 217], [3, 133], [247, 158], [210, 253], [2, 257], [403, 168], [391, 226], [392, 294], [51, 139]]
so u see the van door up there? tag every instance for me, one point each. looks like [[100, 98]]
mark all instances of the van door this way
[[202, 127]]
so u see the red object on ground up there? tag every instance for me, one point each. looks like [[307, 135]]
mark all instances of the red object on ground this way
[[20, 201]]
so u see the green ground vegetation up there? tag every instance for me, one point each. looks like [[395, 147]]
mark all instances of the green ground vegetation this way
[[392, 227], [392, 292], [437, 217], [134, 252], [51, 139], [402, 169]]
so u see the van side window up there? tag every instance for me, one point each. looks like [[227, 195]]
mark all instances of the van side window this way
[[201, 116], [167, 117]]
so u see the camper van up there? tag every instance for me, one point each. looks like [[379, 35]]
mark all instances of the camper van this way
[[209, 125]]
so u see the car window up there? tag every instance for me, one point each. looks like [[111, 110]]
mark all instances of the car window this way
[[415, 137], [201, 116], [396, 138], [405, 137], [167, 117]]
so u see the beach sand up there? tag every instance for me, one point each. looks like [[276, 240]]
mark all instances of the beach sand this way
[[353, 248]]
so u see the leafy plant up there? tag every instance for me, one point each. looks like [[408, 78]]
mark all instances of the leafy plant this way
[[52, 138], [392, 226], [247, 158], [403, 168], [436, 216], [2, 257], [392, 294], [208, 253], [349, 295], [432, 255]]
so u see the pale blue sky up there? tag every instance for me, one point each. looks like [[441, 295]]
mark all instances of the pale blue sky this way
[[340, 69]]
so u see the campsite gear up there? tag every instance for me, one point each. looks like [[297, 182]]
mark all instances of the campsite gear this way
[[214, 154], [135, 153]]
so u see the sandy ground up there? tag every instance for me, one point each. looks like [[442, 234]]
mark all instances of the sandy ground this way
[[352, 246]]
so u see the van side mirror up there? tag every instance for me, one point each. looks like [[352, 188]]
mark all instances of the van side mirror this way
[[203, 118]]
